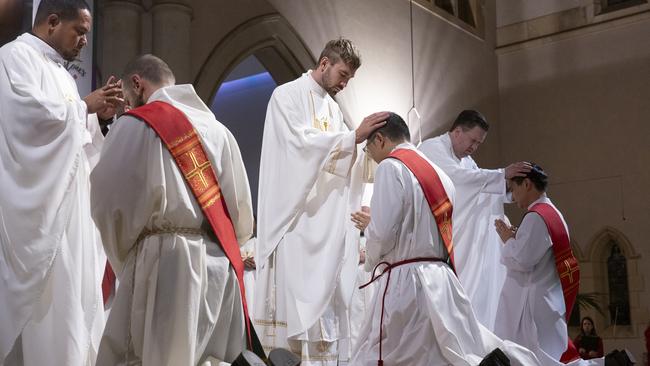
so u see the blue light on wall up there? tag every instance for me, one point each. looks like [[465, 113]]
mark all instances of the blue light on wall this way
[[240, 104], [252, 81]]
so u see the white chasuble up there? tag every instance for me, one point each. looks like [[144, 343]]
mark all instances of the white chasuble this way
[[52, 260], [480, 194], [307, 247]]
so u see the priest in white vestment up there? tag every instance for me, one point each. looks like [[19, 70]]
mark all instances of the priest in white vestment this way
[[51, 257], [427, 317], [531, 308], [179, 301], [481, 194], [310, 183]]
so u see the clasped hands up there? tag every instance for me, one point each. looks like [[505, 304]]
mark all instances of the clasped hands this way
[[504, 230]]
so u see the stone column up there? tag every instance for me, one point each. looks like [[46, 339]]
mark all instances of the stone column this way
[[171, 21], [120, 36]]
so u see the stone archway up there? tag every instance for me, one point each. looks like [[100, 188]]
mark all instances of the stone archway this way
[[599, 244], [270, 38], [598, 253]]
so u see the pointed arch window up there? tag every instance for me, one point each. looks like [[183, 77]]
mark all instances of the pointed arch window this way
[[619, 294]]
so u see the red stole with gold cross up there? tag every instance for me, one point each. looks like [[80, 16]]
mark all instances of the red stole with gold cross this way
[[565, 264], [178, 134], [434, 192]]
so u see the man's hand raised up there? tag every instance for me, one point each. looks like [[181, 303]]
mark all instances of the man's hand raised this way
[[106, 99], [369, 124]]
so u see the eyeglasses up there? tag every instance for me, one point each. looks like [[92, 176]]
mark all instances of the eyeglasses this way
[[368, 142]]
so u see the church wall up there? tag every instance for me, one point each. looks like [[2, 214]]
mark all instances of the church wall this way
[[454, 69], [576, 103]]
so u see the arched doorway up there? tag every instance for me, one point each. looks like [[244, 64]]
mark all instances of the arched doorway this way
[[240, 74], [240, 103]]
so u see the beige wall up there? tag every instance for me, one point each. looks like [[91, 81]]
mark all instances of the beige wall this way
[[515, 11], [577, 104], [453, 69]]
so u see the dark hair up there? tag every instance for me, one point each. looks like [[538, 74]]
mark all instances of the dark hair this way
[[537, 176], [593, 326], [341, 49], [150, 68], [395, 129], [65, 9], [469, 119]]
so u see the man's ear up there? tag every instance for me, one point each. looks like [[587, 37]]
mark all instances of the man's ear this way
[[53, 20], [381, 139], [529, 184], [323, 63], [135, 81]]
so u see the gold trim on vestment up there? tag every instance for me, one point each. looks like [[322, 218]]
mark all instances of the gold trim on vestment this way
[[270, 323], [335, 157], [322, 124], [181, 139]]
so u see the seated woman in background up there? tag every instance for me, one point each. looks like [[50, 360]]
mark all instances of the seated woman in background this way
[[588, 343]]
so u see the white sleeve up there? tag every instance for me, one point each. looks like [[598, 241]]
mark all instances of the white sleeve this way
[[531, 242], [386, 210], [337, 149], [491, 181], [234, 183]]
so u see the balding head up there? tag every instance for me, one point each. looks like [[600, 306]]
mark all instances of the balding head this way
[[143, 76]]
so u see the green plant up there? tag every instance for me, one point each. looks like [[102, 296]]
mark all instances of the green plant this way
[[590, 300]]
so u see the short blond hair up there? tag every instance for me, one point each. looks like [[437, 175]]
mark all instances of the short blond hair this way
[[341, 49]]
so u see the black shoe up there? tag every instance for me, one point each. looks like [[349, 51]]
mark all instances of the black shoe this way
[[283, 357], [495, 358], [248, 358], [619, 358]]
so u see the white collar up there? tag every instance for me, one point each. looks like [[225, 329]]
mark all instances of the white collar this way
[[313, 85], [542, 199], [446, 139], [41, 46], [405, 145]]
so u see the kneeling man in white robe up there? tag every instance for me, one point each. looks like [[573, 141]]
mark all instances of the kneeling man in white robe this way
[[420, 313], [543, 274], [179, 300]]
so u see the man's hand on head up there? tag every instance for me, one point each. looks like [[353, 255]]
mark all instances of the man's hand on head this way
[[369, 124], [519, 169], [107, 100]]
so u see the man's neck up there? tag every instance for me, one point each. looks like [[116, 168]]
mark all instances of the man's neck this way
[[453, 150], [41, 34], [317, 76], [151, 90], [534, 197]]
